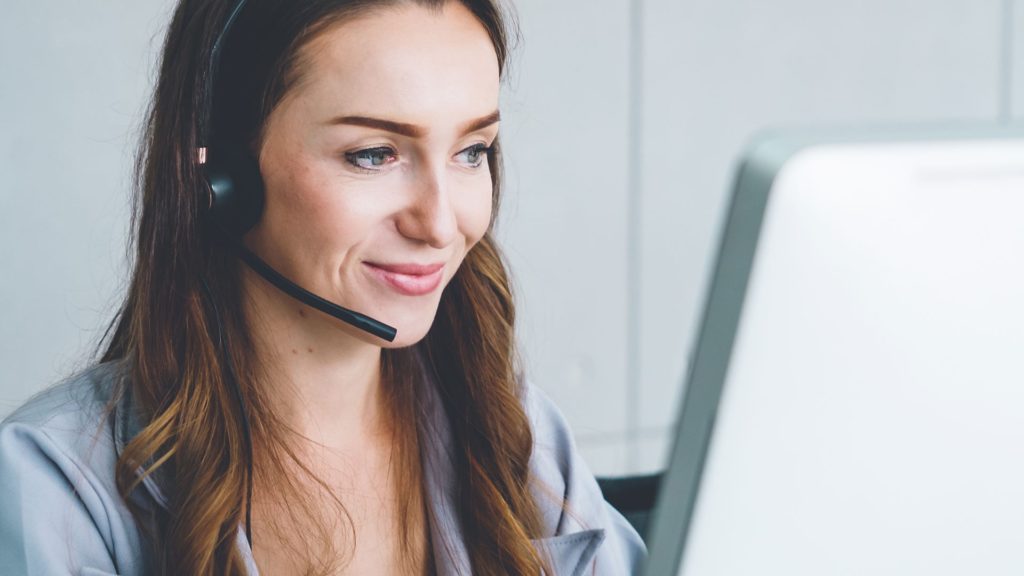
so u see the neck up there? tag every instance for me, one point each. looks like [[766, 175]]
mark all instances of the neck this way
[[322, 379]]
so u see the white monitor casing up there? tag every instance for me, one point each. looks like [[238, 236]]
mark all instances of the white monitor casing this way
[[855, 403]]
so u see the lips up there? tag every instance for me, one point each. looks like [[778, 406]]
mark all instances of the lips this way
[[408, 279], [408, 269]]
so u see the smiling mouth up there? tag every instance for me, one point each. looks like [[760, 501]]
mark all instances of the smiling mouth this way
[[408, 279]]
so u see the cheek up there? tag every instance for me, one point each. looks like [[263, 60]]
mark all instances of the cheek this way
[[315, 205], [293, 189]]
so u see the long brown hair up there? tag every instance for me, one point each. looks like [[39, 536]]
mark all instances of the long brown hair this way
[[184, 308]]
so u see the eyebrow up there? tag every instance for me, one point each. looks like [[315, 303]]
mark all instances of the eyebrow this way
[[411, 130]]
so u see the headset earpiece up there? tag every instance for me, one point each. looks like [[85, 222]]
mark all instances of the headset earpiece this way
[[236, 192]]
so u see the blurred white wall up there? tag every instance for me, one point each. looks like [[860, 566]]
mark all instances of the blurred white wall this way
[[73, 79], [623, 122]]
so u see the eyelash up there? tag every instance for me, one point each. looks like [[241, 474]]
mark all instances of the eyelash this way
[[353, 158]]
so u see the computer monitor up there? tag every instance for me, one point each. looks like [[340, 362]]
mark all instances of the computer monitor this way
[[855, 401]]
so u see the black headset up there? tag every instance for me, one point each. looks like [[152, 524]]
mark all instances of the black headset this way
[[234, 196]]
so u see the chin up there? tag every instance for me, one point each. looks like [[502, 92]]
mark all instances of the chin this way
[[404, 340], [410, 331]]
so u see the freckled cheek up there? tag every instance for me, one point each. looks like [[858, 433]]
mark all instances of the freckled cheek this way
[[306, 192], [324, 208], [292, 189]]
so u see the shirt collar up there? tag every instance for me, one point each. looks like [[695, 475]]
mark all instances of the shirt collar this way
[[128, 425]]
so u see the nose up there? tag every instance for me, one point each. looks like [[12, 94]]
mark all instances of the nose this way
[[429, 216]]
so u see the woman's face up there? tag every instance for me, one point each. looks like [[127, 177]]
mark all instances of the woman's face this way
[[375, 164]]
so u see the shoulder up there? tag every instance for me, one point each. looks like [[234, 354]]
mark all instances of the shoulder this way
[[59, 504], [573, 509], [557, 466], [69, 424], [66, 409]]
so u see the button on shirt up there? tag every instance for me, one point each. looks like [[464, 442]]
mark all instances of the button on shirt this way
[[61, 514]]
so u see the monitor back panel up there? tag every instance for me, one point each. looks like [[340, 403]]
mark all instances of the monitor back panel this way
[[870, 416]]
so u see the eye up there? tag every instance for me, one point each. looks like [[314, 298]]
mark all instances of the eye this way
[[371, 159], [475, 155]]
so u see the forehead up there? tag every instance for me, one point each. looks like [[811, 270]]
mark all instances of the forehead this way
[[408, 62]]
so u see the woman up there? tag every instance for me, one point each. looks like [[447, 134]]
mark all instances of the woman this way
[[232, 428]]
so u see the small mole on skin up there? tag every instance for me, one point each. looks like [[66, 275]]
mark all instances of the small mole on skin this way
[[294, 351], [310, 350], [302, 312]]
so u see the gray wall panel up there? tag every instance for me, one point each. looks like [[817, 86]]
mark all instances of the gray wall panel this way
[[74, 78], [1015, 49], [564, 219]]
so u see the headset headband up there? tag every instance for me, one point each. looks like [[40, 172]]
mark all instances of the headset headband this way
[[206, 125]]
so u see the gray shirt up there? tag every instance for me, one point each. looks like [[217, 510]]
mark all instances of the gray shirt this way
[[60, 512]]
